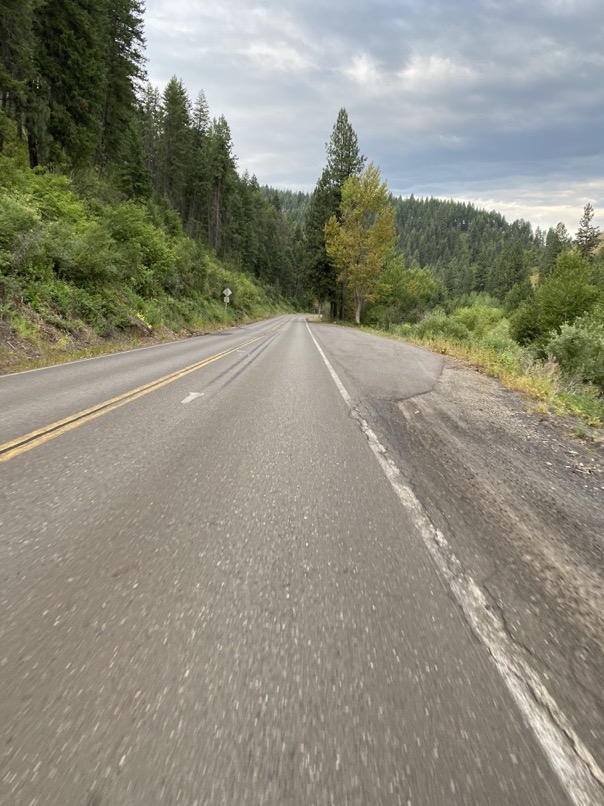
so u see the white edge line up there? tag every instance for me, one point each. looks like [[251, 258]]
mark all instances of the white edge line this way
[[576, 768]]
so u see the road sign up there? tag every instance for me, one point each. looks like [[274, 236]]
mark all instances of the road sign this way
[[226, 293]]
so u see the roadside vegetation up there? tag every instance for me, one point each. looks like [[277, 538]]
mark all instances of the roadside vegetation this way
[[550, 345], [524, 306], [81, 273], [123, 217], [122, 213]]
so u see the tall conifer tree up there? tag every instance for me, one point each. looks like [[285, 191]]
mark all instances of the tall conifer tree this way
[[343, 160]]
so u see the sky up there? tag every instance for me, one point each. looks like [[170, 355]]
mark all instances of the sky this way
[[496, 102]]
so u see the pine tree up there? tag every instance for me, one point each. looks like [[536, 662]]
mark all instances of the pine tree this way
[[123, 71], [199, 175], [16, 60], [323, 203], [222, 177], [587, 234], [343, 160], [556, 241], [343, 156], [174, 147], [68, 78], [133, 174], [151, 115]]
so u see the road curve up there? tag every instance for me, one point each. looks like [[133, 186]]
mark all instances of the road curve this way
[[213, 594]]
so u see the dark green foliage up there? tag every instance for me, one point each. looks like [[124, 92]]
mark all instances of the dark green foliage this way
[[579, 348], [16, 59], [567, 294], [68, 52], [405, 295], [343, 156], [69, 70], [556, 241], [519, 293], [343, 160], [133, 175], [510, 270], [122, 66], [470, 250], [322, 275], [174, 151], [587, 234]]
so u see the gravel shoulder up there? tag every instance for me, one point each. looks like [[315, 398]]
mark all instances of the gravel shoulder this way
[[522, 504]]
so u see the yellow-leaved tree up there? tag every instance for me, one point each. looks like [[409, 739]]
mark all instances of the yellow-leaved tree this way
[[362, 239]]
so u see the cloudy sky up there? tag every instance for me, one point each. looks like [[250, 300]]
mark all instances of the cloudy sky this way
[[498, 102]]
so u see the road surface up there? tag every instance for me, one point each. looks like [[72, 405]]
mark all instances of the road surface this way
[[236, 569]]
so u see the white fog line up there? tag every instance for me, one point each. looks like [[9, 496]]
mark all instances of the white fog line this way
[[576, 768]]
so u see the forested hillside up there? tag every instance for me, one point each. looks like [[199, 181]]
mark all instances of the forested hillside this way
[[121, 208]]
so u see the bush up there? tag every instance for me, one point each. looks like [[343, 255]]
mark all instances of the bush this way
[[438, 324], [479, 319], [579, 349], [17, 218], [524, 324], [567, 294]]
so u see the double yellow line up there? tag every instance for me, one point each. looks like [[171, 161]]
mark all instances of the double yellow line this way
[[9, 450]]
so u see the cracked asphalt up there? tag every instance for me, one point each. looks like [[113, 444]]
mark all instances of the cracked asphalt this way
[[224, 601]]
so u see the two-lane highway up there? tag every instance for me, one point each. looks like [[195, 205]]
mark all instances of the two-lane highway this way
[[211, 592]]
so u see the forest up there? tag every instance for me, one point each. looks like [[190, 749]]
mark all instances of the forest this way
[[123, 211]]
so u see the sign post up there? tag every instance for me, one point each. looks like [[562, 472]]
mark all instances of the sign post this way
[[226, 293]]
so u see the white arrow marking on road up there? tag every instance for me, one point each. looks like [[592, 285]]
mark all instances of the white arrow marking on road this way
[[191, 396]]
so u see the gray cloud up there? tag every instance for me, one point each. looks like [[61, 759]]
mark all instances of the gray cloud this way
[[497, 102]]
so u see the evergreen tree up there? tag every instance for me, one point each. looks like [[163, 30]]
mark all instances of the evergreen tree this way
[[222, 177], [510, 270], [343, 160], [69, 79], [322, 276], [587, 234], [123, 68], [174, 148], [151, 115], [343, 156], [16, 60], [556, 241], [200, 175], [133, 174], [567, 294]]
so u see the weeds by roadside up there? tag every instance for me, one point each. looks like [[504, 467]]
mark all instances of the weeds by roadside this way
[[483, 342]]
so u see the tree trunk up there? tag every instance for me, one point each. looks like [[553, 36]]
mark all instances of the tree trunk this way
[[357, 310]]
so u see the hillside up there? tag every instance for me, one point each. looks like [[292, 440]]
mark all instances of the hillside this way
[[82, 269]]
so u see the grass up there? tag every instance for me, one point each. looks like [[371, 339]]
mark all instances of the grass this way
[[30, 347], [519, 371]]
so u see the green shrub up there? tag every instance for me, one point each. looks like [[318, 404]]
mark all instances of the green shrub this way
[[524, 323], [567, 294], [438, 324], [17, 218], [479, 319], [579, 349], [53, 198]]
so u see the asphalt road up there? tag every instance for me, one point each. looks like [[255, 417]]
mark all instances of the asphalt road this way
[[212, 592]]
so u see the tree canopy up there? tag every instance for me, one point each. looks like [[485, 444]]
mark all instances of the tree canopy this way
[[361, 239]]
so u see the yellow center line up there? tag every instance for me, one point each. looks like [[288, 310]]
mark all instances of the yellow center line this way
[[33, 439]]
